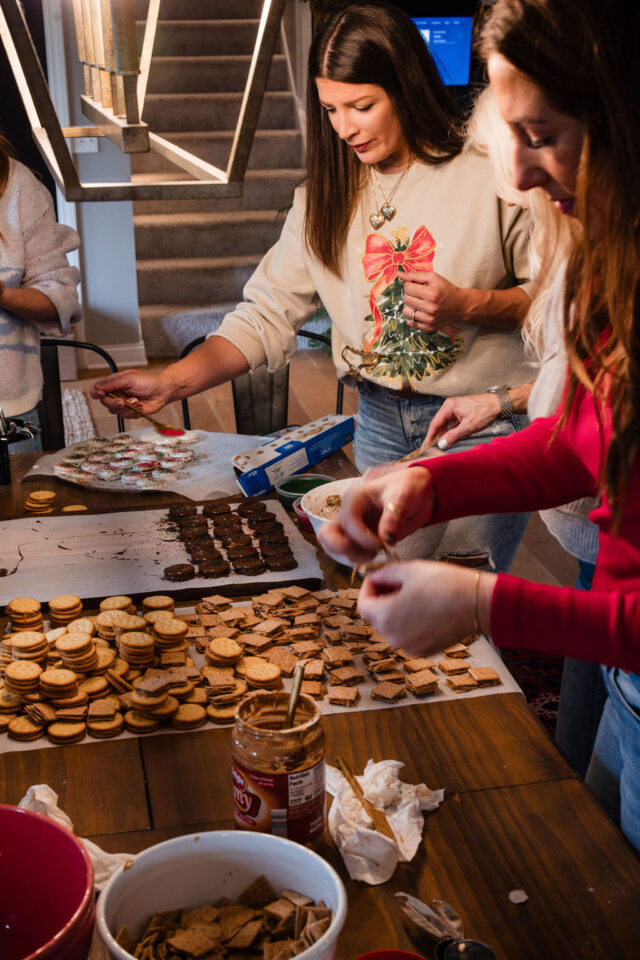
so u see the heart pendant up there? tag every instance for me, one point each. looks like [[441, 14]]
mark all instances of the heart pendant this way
[[388, 211], [376, 220]]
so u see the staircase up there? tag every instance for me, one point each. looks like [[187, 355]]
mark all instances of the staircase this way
[[194, 256]]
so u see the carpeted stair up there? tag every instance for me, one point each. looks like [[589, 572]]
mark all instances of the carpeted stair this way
[[194, 256]]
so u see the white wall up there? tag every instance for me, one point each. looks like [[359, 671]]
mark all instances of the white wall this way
[[107, 254]]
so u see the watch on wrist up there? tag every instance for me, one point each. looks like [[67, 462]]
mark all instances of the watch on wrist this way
[[502, 395]]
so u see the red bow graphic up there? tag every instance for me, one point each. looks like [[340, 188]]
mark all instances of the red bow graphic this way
[[381, 262]]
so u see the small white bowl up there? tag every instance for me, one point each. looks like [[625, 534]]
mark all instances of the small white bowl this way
[[202, 867], [421, 543]]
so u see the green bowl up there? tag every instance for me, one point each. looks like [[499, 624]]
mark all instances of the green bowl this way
[[291, 488]]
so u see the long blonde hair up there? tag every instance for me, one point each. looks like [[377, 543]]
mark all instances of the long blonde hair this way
[[552, 234]]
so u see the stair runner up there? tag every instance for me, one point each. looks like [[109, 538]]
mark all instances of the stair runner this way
[[194, 256]]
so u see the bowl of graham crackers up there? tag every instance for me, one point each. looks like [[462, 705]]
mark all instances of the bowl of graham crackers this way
[[224, 893]]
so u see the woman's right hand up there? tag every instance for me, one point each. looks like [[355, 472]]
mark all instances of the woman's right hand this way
[[459, 417], [383, 510], [149, 391]]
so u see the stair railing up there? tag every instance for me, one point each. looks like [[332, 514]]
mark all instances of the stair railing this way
[[115, 84]]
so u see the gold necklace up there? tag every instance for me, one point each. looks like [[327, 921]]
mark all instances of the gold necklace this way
[[387, 211]]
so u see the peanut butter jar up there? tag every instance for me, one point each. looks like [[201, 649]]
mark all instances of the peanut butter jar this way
[[279, 771]]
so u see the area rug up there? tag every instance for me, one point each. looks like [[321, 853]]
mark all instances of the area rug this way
[[539, 676]]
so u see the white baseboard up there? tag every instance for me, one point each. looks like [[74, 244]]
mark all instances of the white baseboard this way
[[124, 354]]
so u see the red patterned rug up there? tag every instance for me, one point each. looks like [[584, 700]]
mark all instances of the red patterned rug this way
[[539, 676]]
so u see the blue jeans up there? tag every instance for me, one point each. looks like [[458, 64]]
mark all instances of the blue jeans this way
[[28, 446], [389, 427], [582, 698], [614, 771]]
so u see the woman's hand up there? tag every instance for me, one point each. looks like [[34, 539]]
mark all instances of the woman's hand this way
[[431, 302], [377, 511], [149, 391], [459, 417], [425, 606]]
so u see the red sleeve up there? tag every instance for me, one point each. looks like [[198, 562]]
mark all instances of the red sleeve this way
[[603, 627], [529, 470]]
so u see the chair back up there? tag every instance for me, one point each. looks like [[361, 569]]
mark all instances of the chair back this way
[[261, 398], [50, 406]]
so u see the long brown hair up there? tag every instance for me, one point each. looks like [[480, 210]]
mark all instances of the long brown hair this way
[[583, 56], [6, 154], [375, 43]]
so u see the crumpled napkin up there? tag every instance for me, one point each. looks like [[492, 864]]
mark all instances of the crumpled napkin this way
[[42, 799], [368, 855]]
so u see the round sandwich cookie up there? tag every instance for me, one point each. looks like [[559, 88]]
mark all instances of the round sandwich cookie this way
[[239, 539], [267, 526], [58, 682], [9, 702], [22, 728], [224, 714], [42, 496], [137, 722], [265, 675], [275, 549], [275, 539], [179, 572], [216, 508], [249, 566], [198, 557], [177, 510], [278, 564], [172, 629], [164, 710], [244, 662], [64, 731], [223, 651], [241, 550], [156, 602], [22, 676], [81, 625], [74, 508], [118, 603], [104, 729], [94, 687], [251, 506], [154, 615], [198, 695], [78, 700], [189, 716], [212, 569]]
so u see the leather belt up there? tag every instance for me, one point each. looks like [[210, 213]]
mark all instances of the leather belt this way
[[404, 394]]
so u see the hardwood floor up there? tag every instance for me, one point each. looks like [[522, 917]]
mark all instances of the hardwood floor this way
[[312, 392]]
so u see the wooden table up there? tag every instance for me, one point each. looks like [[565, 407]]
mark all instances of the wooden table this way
[[515, 815]]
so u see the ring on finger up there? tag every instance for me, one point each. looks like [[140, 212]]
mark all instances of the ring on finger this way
[[412, 316], [392, 507]]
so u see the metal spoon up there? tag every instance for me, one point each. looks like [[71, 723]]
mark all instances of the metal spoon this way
[[163, 428]]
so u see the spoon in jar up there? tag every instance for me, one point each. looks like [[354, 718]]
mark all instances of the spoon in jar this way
[[295, 693], [165, 429]]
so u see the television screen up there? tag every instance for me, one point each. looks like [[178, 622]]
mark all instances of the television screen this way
[[449, 42]]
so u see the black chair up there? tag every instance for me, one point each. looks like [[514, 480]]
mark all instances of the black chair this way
[[261, 398], [50, 407]]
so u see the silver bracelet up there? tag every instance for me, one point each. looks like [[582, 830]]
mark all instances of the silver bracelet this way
[[502, 396]]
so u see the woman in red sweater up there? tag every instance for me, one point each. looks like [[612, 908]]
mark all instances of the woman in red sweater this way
[[565, 77]]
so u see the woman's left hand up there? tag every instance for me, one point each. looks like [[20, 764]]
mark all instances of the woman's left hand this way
[[431, 302], [424, 606]]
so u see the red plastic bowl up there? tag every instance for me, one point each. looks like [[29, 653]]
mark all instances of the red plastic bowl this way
[[390, 955], [303, 520], [47, 907]]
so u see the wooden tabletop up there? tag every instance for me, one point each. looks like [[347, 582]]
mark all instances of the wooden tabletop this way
[[514, 816]]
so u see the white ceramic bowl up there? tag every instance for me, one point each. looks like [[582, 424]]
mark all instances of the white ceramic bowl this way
[[422, 543], [202, 867]]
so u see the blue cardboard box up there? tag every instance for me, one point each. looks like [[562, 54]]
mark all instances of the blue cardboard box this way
[[299, 448]]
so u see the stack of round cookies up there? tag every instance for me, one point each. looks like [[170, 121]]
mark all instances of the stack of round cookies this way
[[64, 609], [25, 613]]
